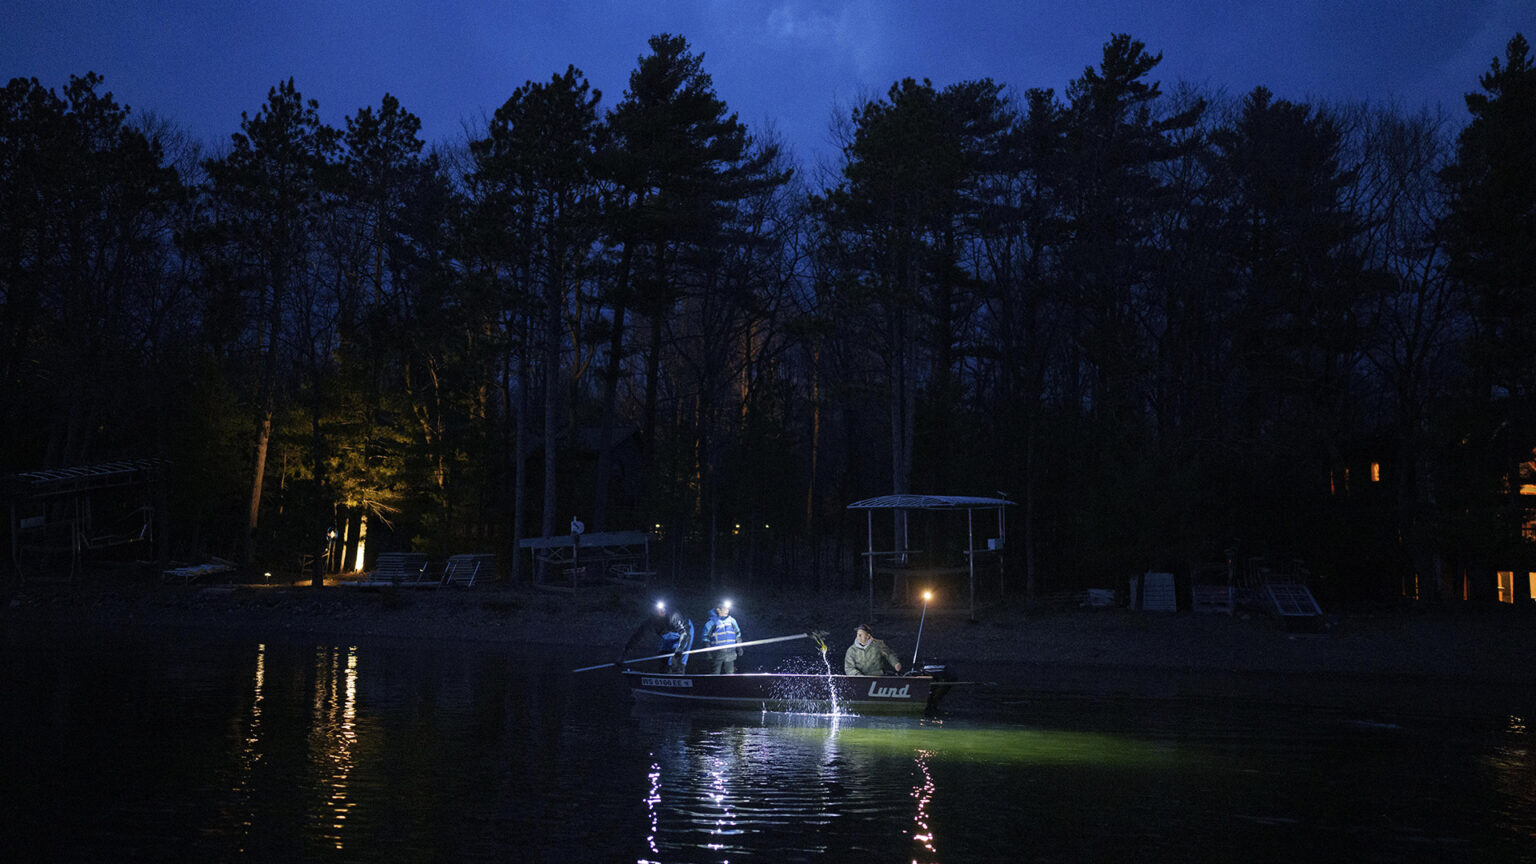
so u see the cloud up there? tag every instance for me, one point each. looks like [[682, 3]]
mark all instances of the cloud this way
[[851, 30], [811, 26]]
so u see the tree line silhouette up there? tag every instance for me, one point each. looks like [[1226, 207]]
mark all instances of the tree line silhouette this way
[[1165, 323]]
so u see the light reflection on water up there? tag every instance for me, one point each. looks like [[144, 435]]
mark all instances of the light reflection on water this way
[[1513, 763], [250, 750], [333, 735], [212, 750], [726, 783], [923, 794]]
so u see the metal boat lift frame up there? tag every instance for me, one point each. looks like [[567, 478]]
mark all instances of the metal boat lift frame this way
[[57, 510], [970, 504]]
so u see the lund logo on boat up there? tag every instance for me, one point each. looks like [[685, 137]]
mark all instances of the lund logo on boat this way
[[888, 692], [667, 682]]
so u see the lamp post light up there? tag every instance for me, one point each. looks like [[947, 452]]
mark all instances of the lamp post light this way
[[927, 595], [323, 566]]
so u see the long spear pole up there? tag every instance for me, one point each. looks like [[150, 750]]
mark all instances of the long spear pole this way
[[692, 651]]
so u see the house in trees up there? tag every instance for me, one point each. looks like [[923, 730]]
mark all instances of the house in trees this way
[[1517, 583], [1475, 546], [576, 468], [1502, 566], [625, 476]]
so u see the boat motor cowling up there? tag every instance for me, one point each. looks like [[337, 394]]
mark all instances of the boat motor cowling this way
[[939, 670]]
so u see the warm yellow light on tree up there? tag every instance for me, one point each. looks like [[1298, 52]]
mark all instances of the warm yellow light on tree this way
[[362, 537]]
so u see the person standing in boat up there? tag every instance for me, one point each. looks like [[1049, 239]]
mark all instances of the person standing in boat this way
[[674, 634], [721, 630], [868, 655]]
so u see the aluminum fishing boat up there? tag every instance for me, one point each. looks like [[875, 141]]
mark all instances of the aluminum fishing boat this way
[[801, 693]]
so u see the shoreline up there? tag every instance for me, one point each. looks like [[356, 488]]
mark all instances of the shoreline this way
[[1094, 650]]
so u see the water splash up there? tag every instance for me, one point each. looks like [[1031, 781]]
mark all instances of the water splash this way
[[805, 686], [831, 686]]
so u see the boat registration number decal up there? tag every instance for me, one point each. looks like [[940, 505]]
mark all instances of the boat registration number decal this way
[[666, 682]]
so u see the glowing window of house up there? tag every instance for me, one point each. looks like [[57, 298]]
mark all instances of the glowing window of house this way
[[1507, 586], [1375, 472], [1529, 528], [1527, 487]]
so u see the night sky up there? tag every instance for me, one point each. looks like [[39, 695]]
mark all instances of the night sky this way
[[788, 63]]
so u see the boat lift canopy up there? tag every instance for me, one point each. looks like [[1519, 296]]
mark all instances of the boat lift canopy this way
[[968, 503]]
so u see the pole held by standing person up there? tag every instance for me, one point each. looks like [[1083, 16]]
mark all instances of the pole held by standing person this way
[[811, 635]]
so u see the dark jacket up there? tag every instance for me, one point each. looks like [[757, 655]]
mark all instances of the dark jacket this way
[[673, 633]]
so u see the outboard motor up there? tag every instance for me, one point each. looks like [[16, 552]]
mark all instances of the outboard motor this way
[[940, 672], [938, 669]]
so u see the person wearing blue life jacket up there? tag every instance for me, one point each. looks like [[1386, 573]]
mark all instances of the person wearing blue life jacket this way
[[722, 630], [674, 635]]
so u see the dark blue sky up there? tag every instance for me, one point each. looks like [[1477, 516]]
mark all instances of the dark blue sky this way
[[791, 63]]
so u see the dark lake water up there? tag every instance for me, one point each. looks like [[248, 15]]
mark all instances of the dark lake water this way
[[225, 748]]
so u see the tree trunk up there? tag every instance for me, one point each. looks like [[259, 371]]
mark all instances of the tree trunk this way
[[652, 373], [611, 393], [258, 472], [1031, 590], [517, 446], [327, 540], [815, 444], [552, 296]]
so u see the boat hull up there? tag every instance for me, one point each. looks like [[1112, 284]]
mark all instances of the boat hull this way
[[768, 691]]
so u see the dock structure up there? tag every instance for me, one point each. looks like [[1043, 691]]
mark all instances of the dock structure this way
[[568, 561], [60, 517], [900, 505]]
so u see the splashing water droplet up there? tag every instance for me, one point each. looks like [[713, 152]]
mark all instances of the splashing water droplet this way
[[831, 685]]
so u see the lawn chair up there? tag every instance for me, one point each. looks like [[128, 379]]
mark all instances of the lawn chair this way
[[401, 568]]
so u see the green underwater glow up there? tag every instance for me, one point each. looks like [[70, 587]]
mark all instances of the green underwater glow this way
[[997, 745]]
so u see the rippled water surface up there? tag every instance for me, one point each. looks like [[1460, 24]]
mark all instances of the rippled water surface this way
[[119, 749]]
